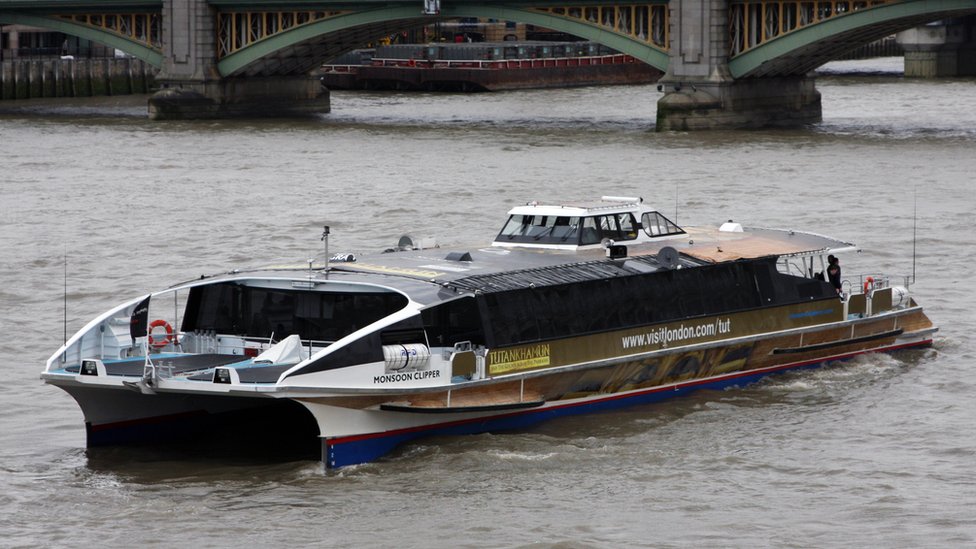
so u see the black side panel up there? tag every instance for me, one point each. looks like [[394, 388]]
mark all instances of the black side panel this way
[[366, 349], [576, 308], [452, 322], [369, 348]]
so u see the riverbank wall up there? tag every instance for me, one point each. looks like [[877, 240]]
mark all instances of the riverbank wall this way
[[59, 77]]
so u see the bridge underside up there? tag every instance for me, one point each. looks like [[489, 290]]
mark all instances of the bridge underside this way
[[301, 49], [306, 56], [735, 62], [798, 52]]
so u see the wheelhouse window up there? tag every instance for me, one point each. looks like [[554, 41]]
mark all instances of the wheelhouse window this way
[[656, 225], [617, 227], [585, 231], [540, 229]]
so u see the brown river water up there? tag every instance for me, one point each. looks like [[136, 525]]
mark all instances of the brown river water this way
[[878, 451]]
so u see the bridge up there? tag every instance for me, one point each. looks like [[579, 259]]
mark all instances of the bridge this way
[[727, 63]]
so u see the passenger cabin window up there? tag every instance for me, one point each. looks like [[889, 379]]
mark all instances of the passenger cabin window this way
[[656, 225], [229, 308], [454, 321]]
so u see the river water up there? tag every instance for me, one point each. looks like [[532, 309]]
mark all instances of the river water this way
[[877, 451]]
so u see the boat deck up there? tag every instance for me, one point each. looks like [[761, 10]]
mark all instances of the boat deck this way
[[194, 367], [716, 247]]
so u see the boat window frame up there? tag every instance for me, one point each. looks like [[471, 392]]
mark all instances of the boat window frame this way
[[667, 228]]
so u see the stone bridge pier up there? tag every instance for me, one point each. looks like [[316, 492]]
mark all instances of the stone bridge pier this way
[[700, 92], [942, 48], [191, 87]]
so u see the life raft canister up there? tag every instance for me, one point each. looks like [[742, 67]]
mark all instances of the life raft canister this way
[[163, 341]]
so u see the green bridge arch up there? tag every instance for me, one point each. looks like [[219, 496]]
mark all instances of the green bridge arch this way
[[403, 16], [111, 39], [802, 50]]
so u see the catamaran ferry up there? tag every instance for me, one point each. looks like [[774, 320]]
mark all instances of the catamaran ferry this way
[[574, 307]]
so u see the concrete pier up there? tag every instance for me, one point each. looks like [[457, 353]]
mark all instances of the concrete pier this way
[[942, 49], [192, 87], [747, 103], [253, 97], [700, 92]]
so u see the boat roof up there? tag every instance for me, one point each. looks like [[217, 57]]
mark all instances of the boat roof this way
[[606, 204], [434, 274], [699, 246]]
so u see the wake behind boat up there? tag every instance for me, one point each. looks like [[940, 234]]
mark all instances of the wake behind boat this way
[[575, 307]]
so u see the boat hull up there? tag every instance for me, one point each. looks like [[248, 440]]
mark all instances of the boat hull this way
[[121, 416], [525, 384], [340, 451]]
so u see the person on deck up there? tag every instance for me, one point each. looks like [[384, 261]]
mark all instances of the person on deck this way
[[833, 272]]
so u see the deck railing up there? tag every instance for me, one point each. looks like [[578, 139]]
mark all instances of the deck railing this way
[[493, 64]]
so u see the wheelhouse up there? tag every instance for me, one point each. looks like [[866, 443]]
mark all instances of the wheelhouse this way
[[616, 219]]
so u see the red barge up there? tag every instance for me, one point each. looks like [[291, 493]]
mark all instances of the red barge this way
[[485, 66]]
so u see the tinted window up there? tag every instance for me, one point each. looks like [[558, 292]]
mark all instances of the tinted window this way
[[453, 322], [229, 308], [565, 310]]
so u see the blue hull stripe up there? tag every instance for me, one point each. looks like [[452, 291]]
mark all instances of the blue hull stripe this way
[[351, 450]]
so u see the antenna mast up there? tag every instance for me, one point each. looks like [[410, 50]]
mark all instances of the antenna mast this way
[[676, 203], [325, 238], [65, 295], [914, 228]]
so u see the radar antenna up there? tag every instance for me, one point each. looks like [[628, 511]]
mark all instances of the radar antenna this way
[[668, 257]]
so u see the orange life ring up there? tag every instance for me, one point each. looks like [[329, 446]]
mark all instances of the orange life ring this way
[[868, 284], [163, 341]]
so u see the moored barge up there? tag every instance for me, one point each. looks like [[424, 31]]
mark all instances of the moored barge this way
[[484, 66], [574, 307]]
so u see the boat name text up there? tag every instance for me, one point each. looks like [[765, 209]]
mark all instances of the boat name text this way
[[406, 376]]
